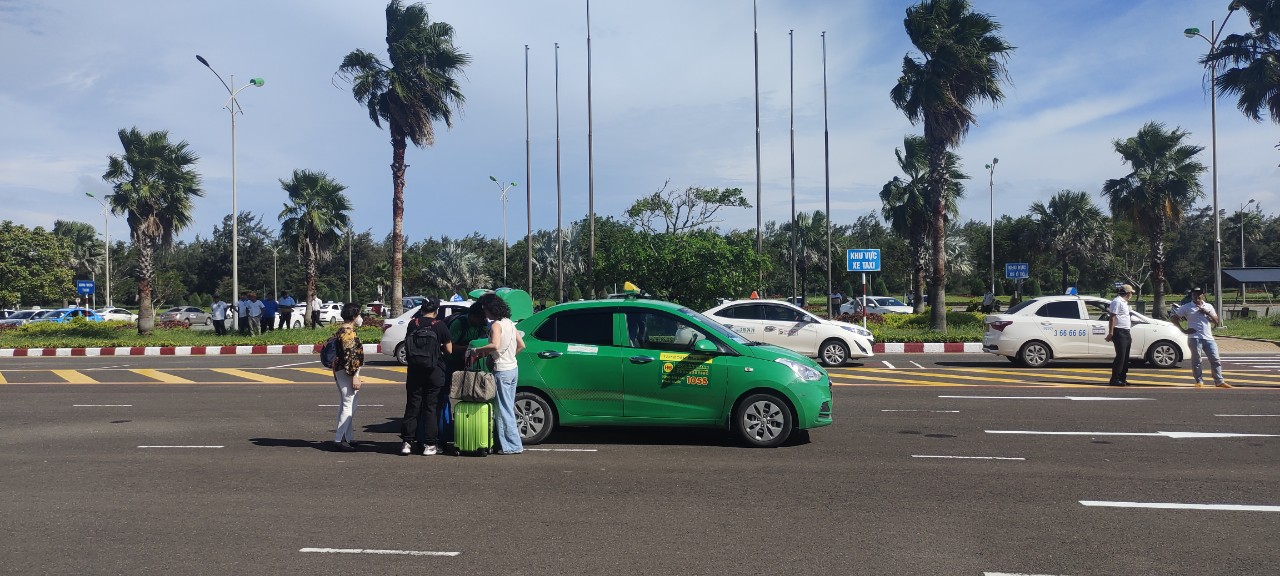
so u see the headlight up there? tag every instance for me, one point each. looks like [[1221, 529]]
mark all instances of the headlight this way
[[804, 373], [858, 330]]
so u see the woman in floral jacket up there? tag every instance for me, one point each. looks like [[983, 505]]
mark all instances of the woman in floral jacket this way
[[346, 373]]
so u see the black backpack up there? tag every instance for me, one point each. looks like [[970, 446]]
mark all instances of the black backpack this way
[[422, 344]]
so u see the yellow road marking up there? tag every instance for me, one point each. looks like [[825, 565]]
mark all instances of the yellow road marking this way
[[961, 377], [883, 379], [363, 378], [161, 376], [73, 377], [251, 376], [2, 380]]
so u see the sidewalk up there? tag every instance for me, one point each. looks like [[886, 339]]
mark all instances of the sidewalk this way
[[1227, 345]]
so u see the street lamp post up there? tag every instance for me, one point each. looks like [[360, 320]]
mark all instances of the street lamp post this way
[[106, 238], [991, 218], [1243, 292], [232, 105], [1215, 32], [350, 238], [275, 285], [502, 189]]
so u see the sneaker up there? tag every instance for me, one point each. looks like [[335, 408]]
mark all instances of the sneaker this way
[[406, 449], [1224, 385], [1199, 384], [345, 446], [430, 451]]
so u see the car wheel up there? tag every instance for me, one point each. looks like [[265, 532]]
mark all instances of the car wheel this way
[[401, 358], [534, 418], [833, 353], [1034, 354], [763, 421], [1163, 354]]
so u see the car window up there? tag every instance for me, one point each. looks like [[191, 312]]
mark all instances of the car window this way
[[890, 302], [1019, 306], [659, 331], [1069, 309], [715, 327], [743, 312], [782, 314], [1099, 310], [578, 327]]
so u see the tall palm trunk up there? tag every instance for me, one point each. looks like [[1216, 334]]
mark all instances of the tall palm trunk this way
[[310, 255], [1157, 267], [1064, 272], [937, 190], [146, 269], [920, 255], [397, 218]]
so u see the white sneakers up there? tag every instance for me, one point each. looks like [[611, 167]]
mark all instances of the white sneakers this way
[[430, 451], [406, 449]]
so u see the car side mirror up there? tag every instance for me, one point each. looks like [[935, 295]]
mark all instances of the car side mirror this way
[[705, 346]]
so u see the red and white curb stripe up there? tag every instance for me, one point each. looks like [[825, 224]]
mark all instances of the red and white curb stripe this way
[[173, 350], [881, 348]]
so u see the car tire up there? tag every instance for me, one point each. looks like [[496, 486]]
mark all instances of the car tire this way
[[833, 353], [763, 420], [1164, 354], [400, 355], [534, 417], [1034, 354]]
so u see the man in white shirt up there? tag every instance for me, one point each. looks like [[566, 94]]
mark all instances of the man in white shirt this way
[[219, 316], [1118, 335], [1200, 317], [315, 311], [255, 308]]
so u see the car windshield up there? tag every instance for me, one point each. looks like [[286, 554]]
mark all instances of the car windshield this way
[[24, 314], [45, 314], [1018, 307], [716, 327], [889, 302]]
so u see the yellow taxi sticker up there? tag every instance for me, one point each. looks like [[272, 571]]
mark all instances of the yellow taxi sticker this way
[[684, 368]]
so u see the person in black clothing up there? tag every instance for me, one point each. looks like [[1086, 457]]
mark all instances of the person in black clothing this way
[[423, 383]]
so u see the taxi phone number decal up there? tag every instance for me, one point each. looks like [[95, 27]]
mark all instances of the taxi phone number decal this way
[[1070, 332], [694, 369]]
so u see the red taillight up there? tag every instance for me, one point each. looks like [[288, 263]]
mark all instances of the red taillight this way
[[999, 325]]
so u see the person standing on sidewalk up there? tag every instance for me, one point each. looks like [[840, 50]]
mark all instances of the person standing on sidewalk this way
[[315, 311], [286, 309], [1201, 317], [219, 316], [255, 308], [1119, 337], [269, 309], [242, 314]]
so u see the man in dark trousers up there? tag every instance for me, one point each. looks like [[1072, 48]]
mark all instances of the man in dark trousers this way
[[1118, 335], [286, 309], [424, 378]]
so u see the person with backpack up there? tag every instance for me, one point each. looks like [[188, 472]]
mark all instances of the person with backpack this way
[[344, 354], [426, 343]]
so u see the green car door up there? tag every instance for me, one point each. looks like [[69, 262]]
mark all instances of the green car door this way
[[574, 356], [663, 377]]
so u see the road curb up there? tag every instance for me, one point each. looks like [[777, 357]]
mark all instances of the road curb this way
[[172, 350], [927, 348]]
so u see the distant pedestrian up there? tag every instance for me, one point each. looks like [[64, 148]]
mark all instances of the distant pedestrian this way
[[1201, 317], [269, 309], [1119, 337], [286, 309], [346, 374], [255, 308], [315, 311], [219, 316], [504, 343], [242, 314]]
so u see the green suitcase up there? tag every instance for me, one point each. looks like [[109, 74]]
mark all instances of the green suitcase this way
[[473, 428]]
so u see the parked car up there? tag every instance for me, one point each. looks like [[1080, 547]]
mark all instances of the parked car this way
[[394, 329], [118, 314], [876, 305], [789, 326], [635, 362], [1036, 331], [67, 314], [187, 314], [22, 317]]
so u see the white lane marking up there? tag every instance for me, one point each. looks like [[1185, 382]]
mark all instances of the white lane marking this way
[[968, 457], [917, 364], [1174, 435], [886, 363], [101, 405], [108, 367], [1248, 415], [1012, 574], [1076, 398], [180, 446], [933, 411], [358, 405], [382, 552], [562, 449], [1177, 506], [294, 364], [1264, 365]]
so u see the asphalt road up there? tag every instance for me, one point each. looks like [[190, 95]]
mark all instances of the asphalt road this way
[[928, 470]]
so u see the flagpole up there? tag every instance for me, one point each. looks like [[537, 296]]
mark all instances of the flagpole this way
[[795, 282], [826, 168], [528, 185], [591, 173], [559, 209], [756, 40]]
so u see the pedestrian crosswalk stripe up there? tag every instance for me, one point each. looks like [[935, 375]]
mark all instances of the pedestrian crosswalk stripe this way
[[363, 378], [251, 376], [74, 377], [161, 376], [959, 376]]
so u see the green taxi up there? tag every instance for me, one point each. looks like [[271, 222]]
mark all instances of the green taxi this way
[[651, 363]]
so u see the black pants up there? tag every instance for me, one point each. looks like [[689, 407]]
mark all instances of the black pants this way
[[268, 322], [315, 318], [284, 320], [243, 323], [220, 327], [1123, 341], [422, 400]]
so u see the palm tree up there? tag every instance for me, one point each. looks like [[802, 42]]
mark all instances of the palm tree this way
[[313, 221], [1071, 227], [1254, 58], [418, 88], [906, 206], [152, 184], [456, 268], [963, 64], [87, 250], [1155, 195]]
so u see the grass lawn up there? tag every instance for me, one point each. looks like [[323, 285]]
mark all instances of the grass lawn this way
[[120, 334], [1263, 328]]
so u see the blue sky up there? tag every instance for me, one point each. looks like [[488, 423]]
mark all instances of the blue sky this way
[[673, 99]]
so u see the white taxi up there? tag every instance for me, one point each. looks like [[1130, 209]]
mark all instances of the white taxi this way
[[1066, 327], [789, 326]]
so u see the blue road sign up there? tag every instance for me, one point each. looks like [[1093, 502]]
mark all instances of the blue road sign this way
[[84, 287], [863, 260], [1017, 270]]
